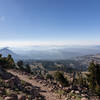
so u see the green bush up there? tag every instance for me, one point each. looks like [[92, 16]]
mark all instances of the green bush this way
[[59, 77], [49, 76]]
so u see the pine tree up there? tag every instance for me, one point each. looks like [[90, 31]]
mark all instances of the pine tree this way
[[7, 62], [28, 69], [94, 77], [20, 64]]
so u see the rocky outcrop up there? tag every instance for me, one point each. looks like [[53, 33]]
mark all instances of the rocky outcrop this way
[[4, 74], [14, 84]]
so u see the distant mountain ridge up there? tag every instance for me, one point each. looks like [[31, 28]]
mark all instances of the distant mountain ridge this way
[[51, 53], [5, 52]]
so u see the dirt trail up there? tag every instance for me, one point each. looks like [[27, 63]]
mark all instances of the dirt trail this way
[[48, 95]]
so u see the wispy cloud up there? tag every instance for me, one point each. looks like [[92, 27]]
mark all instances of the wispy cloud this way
[[2, 18], [45, 43]]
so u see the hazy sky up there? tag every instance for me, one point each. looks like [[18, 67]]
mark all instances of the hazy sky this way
[[30, 22]]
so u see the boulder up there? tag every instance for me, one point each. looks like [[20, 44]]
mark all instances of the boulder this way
[[2, 91], [84, 98], [4, 75], [10, 83], [29, 90], [77, 92], [21, 97], [73, 97], [16, 80], [72, 91], [67, 90], [13, 81], [66, 99]]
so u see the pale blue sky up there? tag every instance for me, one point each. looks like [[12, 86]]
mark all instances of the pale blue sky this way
[[49, 22]]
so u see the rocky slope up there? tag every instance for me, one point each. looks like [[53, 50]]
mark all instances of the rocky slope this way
[[13, 88]]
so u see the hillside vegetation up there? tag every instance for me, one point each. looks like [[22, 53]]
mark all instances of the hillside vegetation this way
[[22, 81]]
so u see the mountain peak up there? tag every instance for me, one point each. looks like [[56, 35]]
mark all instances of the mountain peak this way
[[6, 51]]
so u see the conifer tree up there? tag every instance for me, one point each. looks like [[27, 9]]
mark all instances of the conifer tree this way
[[94, 77]]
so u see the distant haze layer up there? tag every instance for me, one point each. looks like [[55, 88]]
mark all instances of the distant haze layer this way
[[50, 52]]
